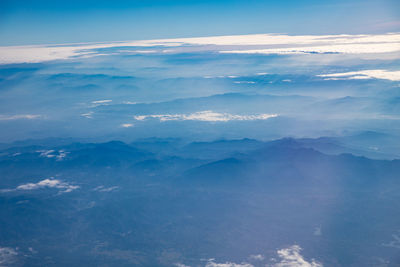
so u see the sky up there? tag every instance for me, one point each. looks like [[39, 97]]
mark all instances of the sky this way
[[50, 22]]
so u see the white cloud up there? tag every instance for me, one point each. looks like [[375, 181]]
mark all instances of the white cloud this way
[[141, 117], [7, 256], [49, 183], [364, 74], [129, 103], [139, 51], [101, 101], [270, 43], [288, 257], [46, 183], [127, 125], [101, 188], [46, 153], [59, 155], [88, 115], [340, 49], [207, 115], [250, 82], [97, 103], [277, 39], [395, 243], [18, 117], [41, 184], [291, 257]]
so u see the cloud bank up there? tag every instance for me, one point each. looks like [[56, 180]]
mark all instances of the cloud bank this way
[[325, 49], [254, 43]]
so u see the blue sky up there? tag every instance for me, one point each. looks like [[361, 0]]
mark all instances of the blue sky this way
[[44, 21]]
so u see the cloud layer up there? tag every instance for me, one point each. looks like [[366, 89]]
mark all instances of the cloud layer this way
[[255, 43], [325, 49]]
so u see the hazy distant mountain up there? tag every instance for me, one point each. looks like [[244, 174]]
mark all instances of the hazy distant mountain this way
[[118, 204]]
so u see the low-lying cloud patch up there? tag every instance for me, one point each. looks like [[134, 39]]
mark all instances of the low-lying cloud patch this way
[[102, 188], [88, 115], [246, 82], [287, 257], [19, 117], [126, 125], [58, 155], [46, 183], [7, 256], [395, 242], [207, 115], [363, 74], [103, 102], [291, 257]]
